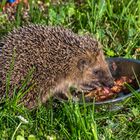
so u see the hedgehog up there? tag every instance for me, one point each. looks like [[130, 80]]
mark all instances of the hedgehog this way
[[58, 59]]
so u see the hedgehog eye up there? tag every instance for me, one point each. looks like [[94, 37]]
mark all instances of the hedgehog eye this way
[[82, 63], [98, 72]]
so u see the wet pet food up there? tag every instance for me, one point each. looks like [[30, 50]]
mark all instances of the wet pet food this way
[[104, 93]]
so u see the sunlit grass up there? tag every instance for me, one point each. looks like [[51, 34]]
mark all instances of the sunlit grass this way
[[115, 23]]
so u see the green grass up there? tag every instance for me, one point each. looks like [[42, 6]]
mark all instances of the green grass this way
[[116, 23]]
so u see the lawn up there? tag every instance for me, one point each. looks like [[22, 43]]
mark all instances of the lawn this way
[[116, 24]]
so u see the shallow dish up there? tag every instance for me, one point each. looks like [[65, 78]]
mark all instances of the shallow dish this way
[[125, 67]]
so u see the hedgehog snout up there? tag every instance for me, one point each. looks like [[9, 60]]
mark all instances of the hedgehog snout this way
[[108, 81], [103, 77]]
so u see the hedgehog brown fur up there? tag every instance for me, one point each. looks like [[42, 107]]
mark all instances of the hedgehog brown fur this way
[[60, 57]]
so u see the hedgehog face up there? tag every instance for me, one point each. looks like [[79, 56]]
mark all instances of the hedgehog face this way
[[94, 72]]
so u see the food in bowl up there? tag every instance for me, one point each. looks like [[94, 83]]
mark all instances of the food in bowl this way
[[104, 93]]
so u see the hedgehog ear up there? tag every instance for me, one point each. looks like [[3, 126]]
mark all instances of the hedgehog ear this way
[[82, 63]]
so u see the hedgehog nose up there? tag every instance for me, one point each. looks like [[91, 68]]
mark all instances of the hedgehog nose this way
[[109, 83]]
